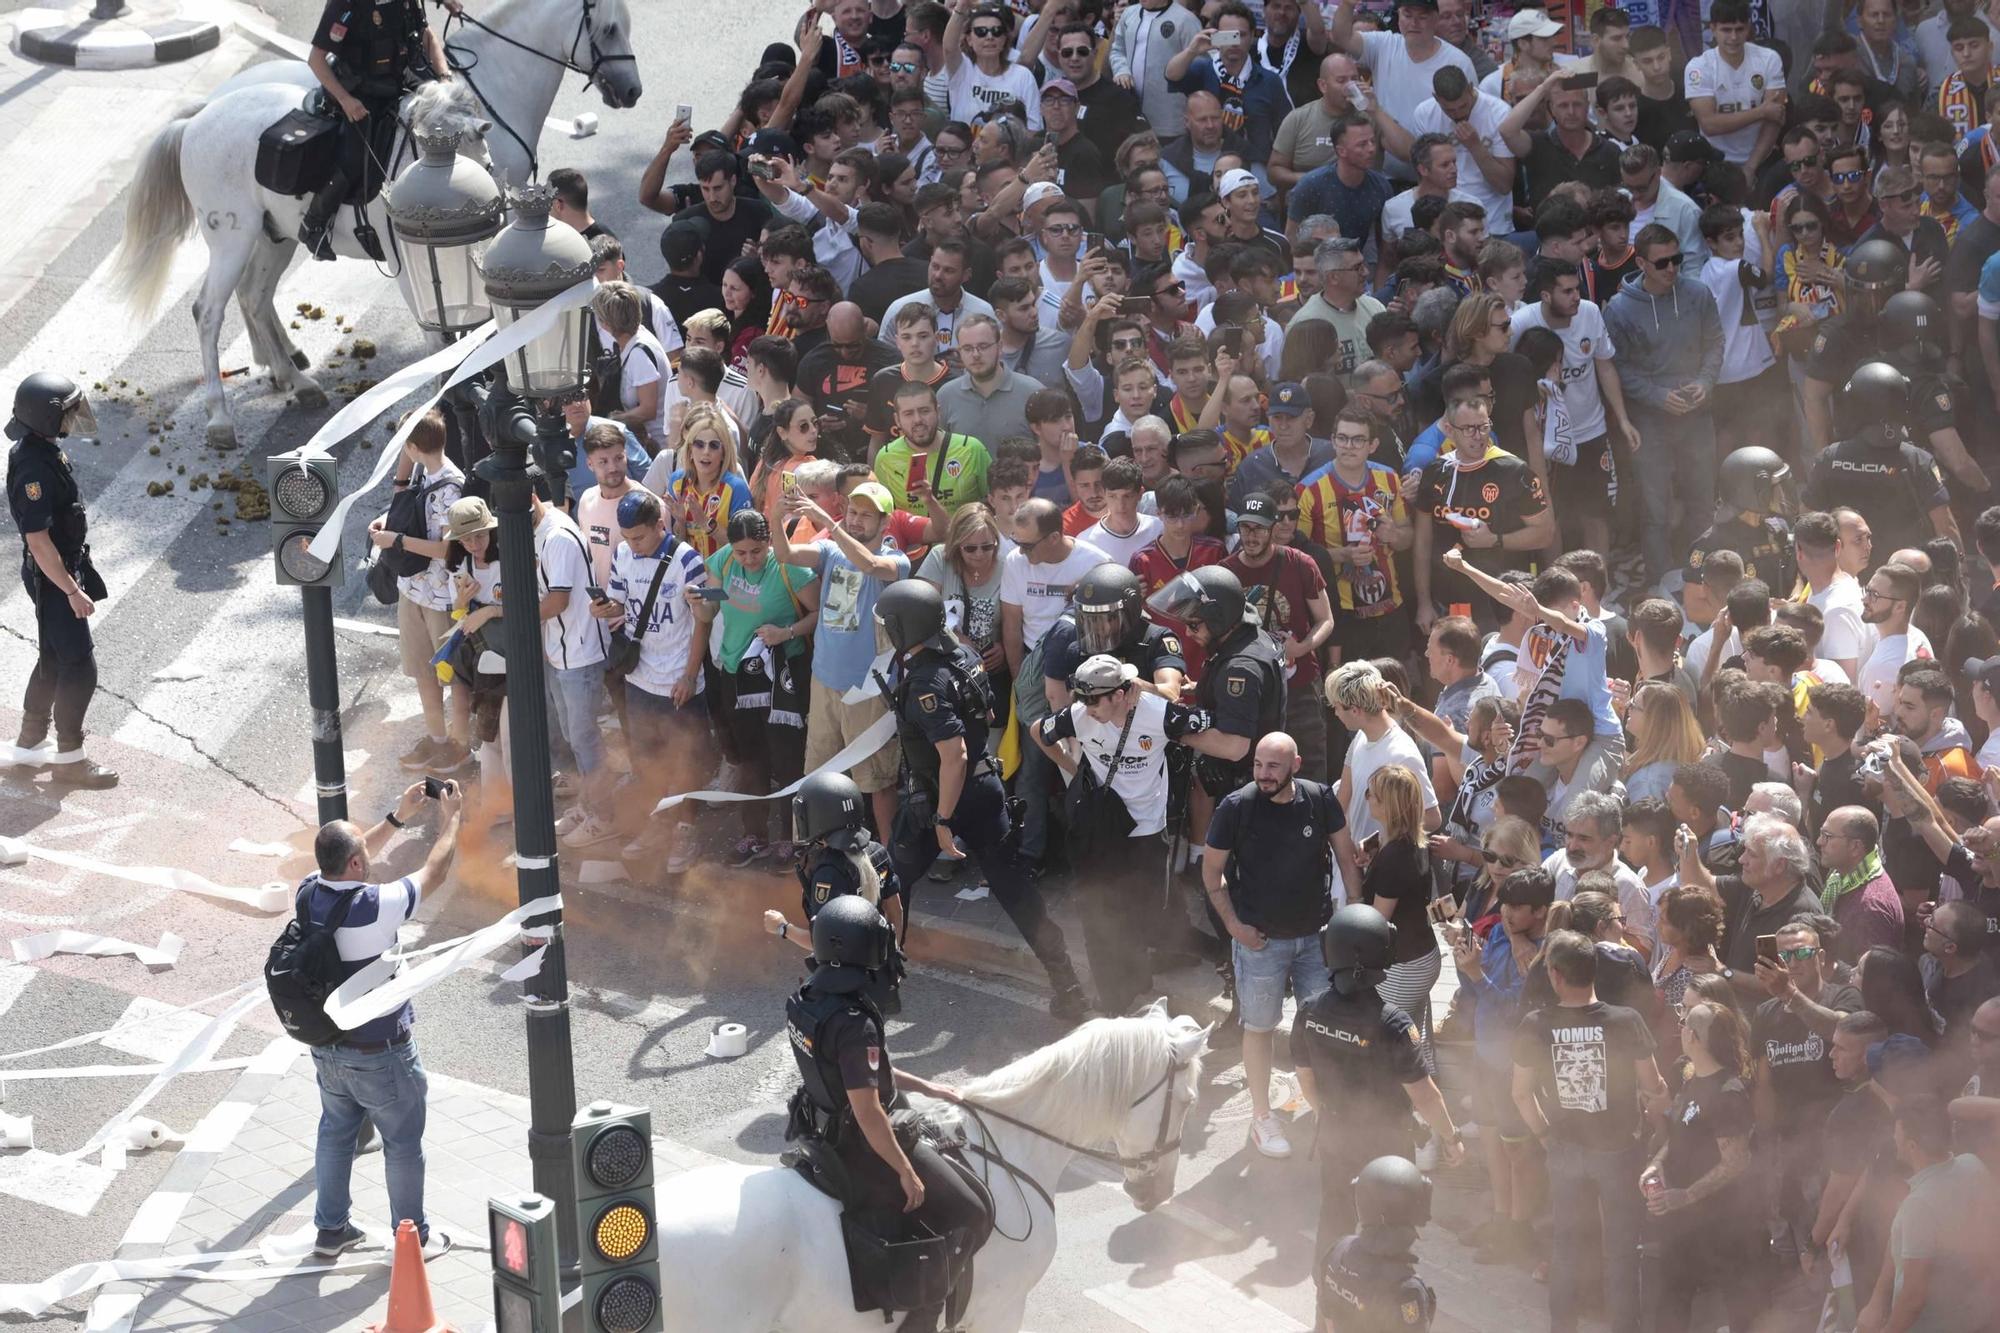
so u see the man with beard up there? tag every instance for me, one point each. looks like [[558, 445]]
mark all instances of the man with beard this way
[[1286, 591], [989, 402], [922, 458], [1923, 713], [1888, 600], [835, 375], [890, 273]]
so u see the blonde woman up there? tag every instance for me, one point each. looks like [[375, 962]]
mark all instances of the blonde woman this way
[[965, 567], [1396, 881], [1511, 844], [705, 488], [1665, 735], [642, 363], [1478, 335]]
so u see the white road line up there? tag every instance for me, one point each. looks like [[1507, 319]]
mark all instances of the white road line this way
[[14, 979], [1193, 1298]]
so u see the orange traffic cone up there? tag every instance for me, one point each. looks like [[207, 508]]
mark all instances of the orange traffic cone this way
[[410, 1289]]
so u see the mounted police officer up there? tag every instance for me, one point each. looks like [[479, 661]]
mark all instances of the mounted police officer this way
[[944, 709], [56, 571], [1368, 1282], [366, 54], [1361, 1068], [836, 858], [1753, 507], [1876, 470], [849, 1085]]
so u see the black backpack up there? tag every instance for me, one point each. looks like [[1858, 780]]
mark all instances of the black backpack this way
[[406, 516], [304, 967]]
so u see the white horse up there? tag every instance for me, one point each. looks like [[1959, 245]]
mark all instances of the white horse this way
[[200, 169], [759, 1250]]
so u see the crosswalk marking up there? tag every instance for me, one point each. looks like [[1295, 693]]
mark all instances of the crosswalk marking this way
[[14, 979], [1193, 1298]]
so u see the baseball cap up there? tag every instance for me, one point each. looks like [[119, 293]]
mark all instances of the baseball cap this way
[[1234, 180], [1531, 23], [1289, 399], [680, 243], [875, 493], [1062, 86], [771, 143], [1690, 146], [628, 508], [1257, 509], [1037, 192], [1985, 670], [1101, 674]]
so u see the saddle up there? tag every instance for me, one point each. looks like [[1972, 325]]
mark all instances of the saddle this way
[[894, 1263]]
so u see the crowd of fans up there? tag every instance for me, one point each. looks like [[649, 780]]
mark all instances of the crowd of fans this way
[[1515, 370]]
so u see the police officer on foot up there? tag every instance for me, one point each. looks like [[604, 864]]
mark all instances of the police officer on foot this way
[[849, 1085], [1368, 1282], [1242, 688], [1915, 340], [1875, 271], [1753, 508], [1361, 1068], [1107, 615], [364, 54], [1876, 470], [836, 858], [944, 709], [56, 571]]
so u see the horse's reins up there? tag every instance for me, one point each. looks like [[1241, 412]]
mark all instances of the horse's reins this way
[[1162, 1147], [463, 62]]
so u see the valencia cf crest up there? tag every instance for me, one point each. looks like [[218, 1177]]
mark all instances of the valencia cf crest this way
[[1583, 346], [1944, 402], [1757, 82], [1145, 744], [1490, 492]]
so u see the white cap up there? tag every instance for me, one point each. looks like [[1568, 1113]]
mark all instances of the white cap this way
[[1531, 23], [1234, 180], [1037, 192]]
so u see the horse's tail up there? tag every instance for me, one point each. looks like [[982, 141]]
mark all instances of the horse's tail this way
[[157, 217]]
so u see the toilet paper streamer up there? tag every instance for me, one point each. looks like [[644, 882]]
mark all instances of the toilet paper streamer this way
[[880, 732], [379, 988], [33, 948], [35, 1298], [270, 898]]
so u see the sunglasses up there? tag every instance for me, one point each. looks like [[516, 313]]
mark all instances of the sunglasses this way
[[1798, 955], [1174, 288], [987, 30], [1847, 177], [979, 548], [1127, 344], [705, 444], [1075, 53], [1802, 164], [1804, 225], [1668, 261], [1904, 196], [1063, 228], [1493, 858], [1287, 515], [902, 67]]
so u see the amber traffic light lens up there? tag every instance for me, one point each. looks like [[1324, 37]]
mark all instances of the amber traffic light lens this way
[[621, 1231]]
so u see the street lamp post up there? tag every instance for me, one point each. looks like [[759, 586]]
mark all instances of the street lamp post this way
[[462, 267], [534, 260]]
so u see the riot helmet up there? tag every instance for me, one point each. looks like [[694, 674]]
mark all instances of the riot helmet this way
[[1211, 597], [1875, 403], [911, 612], [1755, 480], [1358, 945], [1110, 609], [51, 406], [829, 807], [851, 941], [1391, 1192], [1875, 271], [1912, 320]]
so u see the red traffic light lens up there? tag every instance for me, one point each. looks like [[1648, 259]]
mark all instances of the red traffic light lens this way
[[512, 1249]]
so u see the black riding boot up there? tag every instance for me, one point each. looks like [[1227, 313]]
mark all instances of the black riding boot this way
[[316, 230]]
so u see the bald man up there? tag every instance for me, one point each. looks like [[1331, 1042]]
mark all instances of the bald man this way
[[1268, 869], [1985, 1081], [1305, 137], [1859, 893], [835, 376], [1959, 974]]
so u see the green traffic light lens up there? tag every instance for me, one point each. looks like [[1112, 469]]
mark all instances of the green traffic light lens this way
[[617, 1156]]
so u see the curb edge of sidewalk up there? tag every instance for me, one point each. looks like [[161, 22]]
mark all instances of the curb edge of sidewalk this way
[[116, 1306]]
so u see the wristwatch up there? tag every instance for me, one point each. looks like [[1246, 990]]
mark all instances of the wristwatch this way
[[393, 822]]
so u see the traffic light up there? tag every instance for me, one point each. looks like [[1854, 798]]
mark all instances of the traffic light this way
[[612, 1150], [527, 1278], [304, 489]]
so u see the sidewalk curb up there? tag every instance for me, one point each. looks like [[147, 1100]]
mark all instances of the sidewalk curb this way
[[73, 39], [117, 1305]]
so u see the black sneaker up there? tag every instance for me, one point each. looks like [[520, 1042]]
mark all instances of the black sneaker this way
[[83, 773], [333, 1244]]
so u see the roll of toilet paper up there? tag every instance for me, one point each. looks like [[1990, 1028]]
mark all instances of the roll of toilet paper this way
[[729, 1041], [584, 125], [143, 1133], [17, 1131]]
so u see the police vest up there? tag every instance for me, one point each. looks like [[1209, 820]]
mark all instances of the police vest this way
[[806, 1015], [1376, 1292]]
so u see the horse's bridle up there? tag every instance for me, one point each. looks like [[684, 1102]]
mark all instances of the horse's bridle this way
[[585, 30]]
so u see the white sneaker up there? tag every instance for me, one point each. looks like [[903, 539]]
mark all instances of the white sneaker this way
[[570, 819], [589, 833], [1267, 1136], [437, 1246]]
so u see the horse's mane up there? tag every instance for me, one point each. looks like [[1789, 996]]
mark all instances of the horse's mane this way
[[448, 105], [1081, 1086]]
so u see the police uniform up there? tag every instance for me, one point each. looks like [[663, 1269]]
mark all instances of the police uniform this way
[[376, 49], [1894, 489], [1368, 1283], [943, 696], [825, 874], [1766, 549], [1845, 342], [1361, 1050], [1243, 691], [1156, 649], [43, 496]]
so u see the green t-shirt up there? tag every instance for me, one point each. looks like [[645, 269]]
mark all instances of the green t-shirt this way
[[958, 474], [768, 597]]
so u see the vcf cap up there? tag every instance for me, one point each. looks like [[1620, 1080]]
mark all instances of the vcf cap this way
[[1257, 510], [1289, 399]]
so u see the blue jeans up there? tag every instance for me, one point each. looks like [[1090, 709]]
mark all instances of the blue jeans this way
[[1261, 975], [1587, 1188], [389, 1088], [574, 697]]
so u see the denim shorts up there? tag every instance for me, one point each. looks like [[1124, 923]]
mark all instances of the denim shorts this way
[[1261, 975]]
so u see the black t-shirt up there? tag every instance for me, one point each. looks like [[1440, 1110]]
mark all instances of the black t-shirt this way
[[1584, 1058], [1972, 884], [1501, 491], [1800, 1060], [838, 381], [1744, 773], [1362, 1052], [1549, 164], [1744, 921], [1080, 168], [1402, 870], [1280, 867], [1912, 867], [1836, 786], [1708, 1109], [882, 385], [1955, 998], [1623, 979], [878, 289], [688, 297], [1662, 118], [1977, 241], [726, 236], [1928, 241]]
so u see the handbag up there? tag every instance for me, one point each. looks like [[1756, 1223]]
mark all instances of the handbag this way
[[1099, 823], [621, 657]]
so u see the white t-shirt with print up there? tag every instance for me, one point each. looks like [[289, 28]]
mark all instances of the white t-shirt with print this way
[[1735, 88], [1122, 549], [575, 638], [1042, 590], [432, 588], [1585, 342], [975, 94], [1402, 84], [663, 648]]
